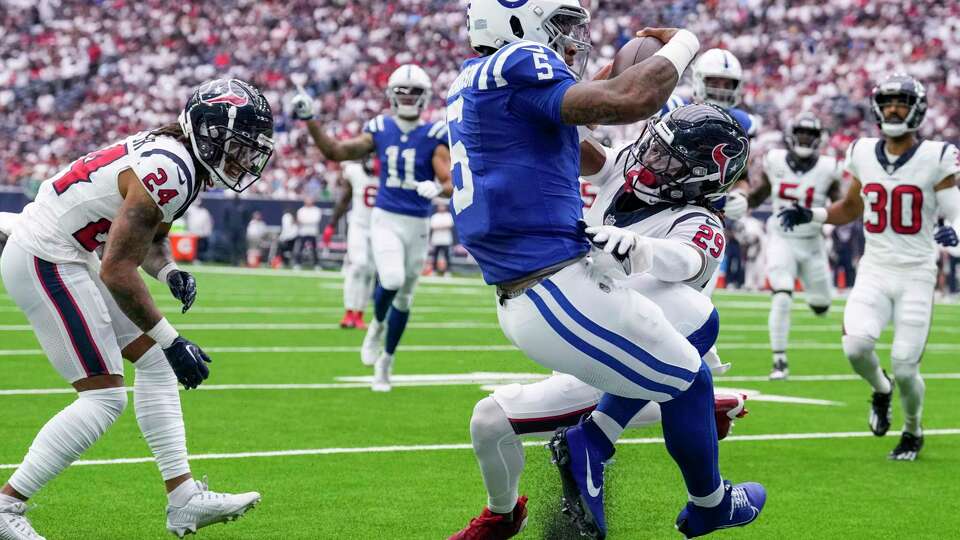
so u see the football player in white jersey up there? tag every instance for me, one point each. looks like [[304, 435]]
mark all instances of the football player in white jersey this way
[[683, 241], [899, 184], [414, 169], [359, 194], [88, 315], [798, 174]]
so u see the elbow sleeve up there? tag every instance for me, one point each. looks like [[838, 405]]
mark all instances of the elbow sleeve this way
[[676, 261]]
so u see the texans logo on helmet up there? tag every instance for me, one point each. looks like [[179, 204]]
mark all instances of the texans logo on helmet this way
[[722, 160], [227, 94], [510, 4]]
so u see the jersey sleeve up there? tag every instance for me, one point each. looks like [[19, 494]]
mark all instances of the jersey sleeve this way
[[675, 102], [168, 179], [374, 127], [704, 232], [538, 79], [949, 161], [438, 134]]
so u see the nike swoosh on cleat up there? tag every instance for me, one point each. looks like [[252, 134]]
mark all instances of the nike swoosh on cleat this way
[[593, 490]]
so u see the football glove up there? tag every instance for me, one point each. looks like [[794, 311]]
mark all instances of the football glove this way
[[184, 288], [735, 206], [428, 190], [302, 106], [793, 216], [327, 235], [946, 236], [188, 361], [624, 245]]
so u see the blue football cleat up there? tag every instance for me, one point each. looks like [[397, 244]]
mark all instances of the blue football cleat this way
[[579, 453], [741, 505]]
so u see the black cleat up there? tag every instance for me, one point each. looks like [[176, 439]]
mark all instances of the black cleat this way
[[881, 410], [908, 449]]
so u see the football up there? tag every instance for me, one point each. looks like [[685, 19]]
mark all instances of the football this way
[[635, 51]]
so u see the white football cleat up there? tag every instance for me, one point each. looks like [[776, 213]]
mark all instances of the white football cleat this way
[[208, 507], [14, 525], [372, 342], [381, 373]]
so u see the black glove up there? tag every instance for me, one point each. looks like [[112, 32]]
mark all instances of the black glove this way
[[796, 215], [183, 287], [188, 361], [946, 236]]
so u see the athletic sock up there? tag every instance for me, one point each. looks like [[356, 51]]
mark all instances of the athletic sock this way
[[778, 322], [156, 400], [382, 298], [396, 324], [182, 494], [690, 432], [614, 413], [912, 390]]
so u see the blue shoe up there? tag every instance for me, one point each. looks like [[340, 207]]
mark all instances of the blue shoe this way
[[579, 453], [741, 505]]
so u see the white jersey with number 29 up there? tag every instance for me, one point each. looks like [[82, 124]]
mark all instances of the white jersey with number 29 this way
[[899, 202]]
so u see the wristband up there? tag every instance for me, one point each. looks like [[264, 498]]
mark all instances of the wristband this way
[[819, 215], [681, 49], [163, 333], [165, 272], [584, 133]]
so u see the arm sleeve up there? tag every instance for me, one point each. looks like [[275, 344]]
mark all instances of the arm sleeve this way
[[702, 239], [538, 79], [168, 180], [674, 260]]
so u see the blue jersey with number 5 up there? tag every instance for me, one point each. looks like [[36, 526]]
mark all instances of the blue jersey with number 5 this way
[[515, 164], [406, 158]]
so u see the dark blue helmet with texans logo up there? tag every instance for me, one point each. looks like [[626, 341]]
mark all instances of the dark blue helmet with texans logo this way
[[899, 88], [690, 155], [230, 126]]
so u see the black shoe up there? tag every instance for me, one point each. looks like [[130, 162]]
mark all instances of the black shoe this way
[[781, 369], [908, 448], [881, 410]]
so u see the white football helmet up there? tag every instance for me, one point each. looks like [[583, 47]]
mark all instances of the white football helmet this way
[[409, 91], [717, 64], [558, 24]]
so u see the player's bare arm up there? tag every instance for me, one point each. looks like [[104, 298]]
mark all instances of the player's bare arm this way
[[757, 195], [138, 218], [847, 209], [592, 157], [340, 150], [159, 255], [441, 168], [638, 92], [343, 204]]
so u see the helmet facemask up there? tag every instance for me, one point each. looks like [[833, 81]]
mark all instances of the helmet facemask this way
[[804, 142], [652, 166], [569, 30], [408, 102], [896, 127], [721, 91], [232, 156]]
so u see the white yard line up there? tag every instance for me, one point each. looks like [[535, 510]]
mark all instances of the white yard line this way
[[467, 446], [287, 326]]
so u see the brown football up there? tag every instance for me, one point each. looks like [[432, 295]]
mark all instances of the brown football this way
[[635, 51]]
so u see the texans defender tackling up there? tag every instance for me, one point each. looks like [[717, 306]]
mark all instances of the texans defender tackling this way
[[899, 184], [668, 212], [413, 154], [88, 315], [359, 195], [800, 175], [512, 115]]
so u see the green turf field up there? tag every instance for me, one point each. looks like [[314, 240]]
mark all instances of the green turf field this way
[[284, 414]]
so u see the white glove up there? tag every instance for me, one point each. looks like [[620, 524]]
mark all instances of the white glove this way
[[623, 244], [302, 106], [736, 205], [428, 190]]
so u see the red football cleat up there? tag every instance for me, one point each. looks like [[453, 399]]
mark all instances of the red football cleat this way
[[728, 407], [348, 320], [490, 526], [358, 321]]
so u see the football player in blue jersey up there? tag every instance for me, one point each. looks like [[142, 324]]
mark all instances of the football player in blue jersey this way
[[415, 169], [513, 114]]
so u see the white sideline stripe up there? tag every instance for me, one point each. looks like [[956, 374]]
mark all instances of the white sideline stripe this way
[[313, 274], [336, 310], [467, 446], [931, 348], [285, 326], [486, 380]]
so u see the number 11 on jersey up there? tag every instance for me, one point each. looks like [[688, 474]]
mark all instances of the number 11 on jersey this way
[[462, 182]]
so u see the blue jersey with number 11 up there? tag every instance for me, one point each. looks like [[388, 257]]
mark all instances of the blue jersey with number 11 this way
[[406, 158], [515, 163]]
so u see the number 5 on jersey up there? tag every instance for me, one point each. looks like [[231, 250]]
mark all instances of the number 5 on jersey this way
[[459, 161]]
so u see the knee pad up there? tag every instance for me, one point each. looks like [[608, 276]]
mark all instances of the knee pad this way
[[391, 278], [907, 354], [111, 401], [820, 310], [489, 422], [858, 347], [905, 371]]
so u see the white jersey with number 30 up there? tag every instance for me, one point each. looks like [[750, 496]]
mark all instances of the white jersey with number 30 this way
[[75, 208], [808, 188], [364, 187], [899, 202]]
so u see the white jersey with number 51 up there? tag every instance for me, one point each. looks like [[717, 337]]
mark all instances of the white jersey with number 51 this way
[[899, 202], [809, 188]]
